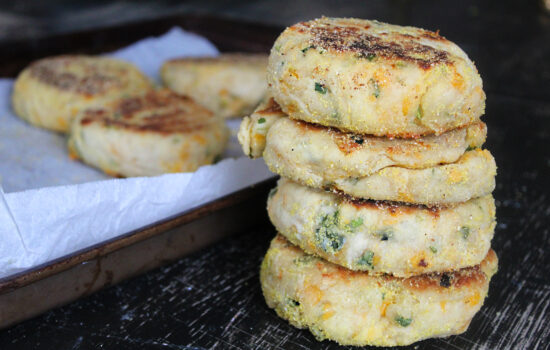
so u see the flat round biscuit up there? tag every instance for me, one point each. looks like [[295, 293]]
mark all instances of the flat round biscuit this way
[[338, 154], [51, 91], [230, 85], [333, 154], [383, 237], [159, 132], [354, 308], [471, 176], [374, 78]]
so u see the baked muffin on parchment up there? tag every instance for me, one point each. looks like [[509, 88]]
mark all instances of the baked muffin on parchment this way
[[230, 85], [51, 91], [155, 133]]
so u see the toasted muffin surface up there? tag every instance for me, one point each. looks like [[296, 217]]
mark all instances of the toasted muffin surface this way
[[231, 85], [51, 91], [374, 78], [335, 155], [159, 132], [340, 154], [383, 237], [471, 176], [355, 308]]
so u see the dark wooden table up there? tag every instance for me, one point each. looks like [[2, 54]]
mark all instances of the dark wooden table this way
[[212, 299]]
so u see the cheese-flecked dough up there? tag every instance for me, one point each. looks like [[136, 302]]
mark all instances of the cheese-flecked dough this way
[[253, 130], [383, 237], [471, 176], [51, 91], [374, 78], [159, 132], [230, 85], [355, 308], [334, 155]]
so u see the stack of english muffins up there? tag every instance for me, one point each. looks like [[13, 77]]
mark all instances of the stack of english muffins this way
[[384, 208]]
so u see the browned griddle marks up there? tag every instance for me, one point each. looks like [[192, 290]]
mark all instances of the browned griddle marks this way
[[161, 112], [394, 208], [272, 107], [466, 277], [357, 137], [348, 142], [469, 277], [338, 38], [50, 72]]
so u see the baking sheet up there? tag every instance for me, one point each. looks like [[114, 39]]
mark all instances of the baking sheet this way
[[52, 206]]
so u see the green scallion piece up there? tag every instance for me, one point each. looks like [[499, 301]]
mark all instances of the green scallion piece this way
[[419, 113], [465, 231], [403, 321], [320, 88], [367, 259], [375, 87]]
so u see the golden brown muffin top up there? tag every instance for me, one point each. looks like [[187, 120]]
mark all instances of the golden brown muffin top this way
[[159, 111], [371, 39]]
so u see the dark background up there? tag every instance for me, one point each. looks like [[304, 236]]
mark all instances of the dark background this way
[[212, 298], [26, 19], [508, 40]]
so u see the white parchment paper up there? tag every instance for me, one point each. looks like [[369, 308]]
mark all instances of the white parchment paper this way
[[51, 206]]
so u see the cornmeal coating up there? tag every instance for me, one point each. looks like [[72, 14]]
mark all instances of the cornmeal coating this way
[[355, 308], [383, 237], [374, 78], [156, 133], [471, 176]]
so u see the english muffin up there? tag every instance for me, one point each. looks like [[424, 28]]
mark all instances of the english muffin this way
[[383, 237], [471, 176], [230, 85], [374, 78], [355, 308], [332, 154], [51, 91], [159, 132]]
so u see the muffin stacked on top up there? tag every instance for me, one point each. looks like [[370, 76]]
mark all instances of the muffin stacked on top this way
[[384, 208]]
